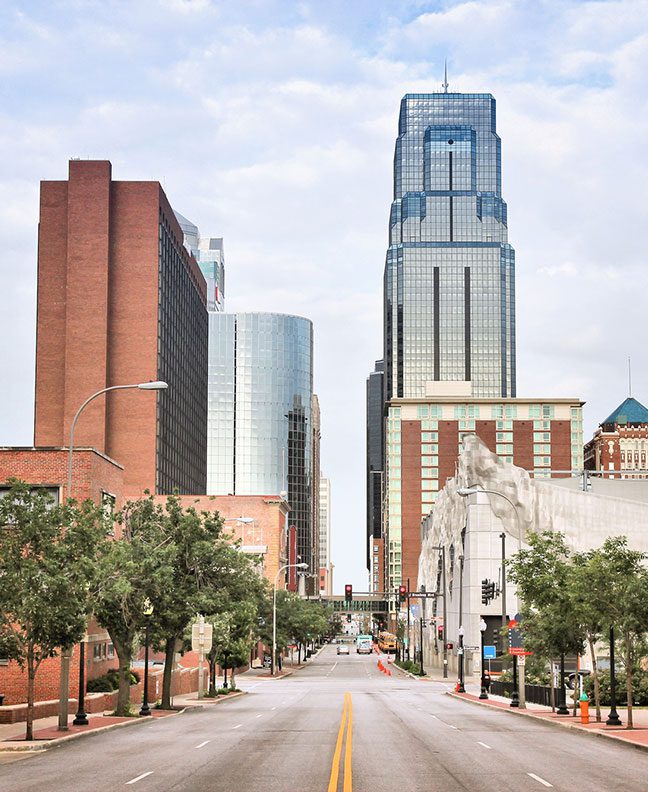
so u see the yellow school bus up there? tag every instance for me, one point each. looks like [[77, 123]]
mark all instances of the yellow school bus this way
[[387, 642]]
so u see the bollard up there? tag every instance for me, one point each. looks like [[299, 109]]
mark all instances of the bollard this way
[[584, 708]]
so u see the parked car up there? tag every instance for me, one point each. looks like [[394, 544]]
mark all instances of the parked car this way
[[343, 649]]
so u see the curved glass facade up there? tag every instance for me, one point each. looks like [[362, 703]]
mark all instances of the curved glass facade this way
[[259, 421], [449, 272]]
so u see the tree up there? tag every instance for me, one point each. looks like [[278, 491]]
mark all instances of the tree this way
[[552, 623], [617, 576], [47, 567], [133, 568]]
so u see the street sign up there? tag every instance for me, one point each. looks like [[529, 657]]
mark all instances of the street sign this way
[[472, 648], [490, 652], [521, 660], [519, 651], [201, 637], [423, 594]]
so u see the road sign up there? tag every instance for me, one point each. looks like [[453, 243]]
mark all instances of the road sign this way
[[519, 651], [490, 652], [201, 637], [472, 648], [423, 594], [521, 660]]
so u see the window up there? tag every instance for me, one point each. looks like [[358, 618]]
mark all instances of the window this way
[[504, 425], [541, 437], [429, 437], [430, 449], [541, 448]]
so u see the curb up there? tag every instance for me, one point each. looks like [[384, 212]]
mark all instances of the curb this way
[[558, 724], [9, 746], [200, 703]]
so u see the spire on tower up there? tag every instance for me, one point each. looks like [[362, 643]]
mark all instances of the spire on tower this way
[[445, 78]]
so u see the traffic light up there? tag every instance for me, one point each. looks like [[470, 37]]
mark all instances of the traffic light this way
[[491, 591], [440, 632], [348, 592], [485, 590], [348, 617], [402, 593]]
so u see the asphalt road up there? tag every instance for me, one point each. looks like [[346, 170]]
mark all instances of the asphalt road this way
[[293, 735]]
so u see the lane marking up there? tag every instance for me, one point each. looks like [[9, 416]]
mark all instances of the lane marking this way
[[484, 745], [348, 772], [260, 715], [274, 708], [238, 726], [541, 780], [139, 778], [202, 744], [453, 727], [335, 765], [433, 716]]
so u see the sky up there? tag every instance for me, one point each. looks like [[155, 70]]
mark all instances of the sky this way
[[272, 124]]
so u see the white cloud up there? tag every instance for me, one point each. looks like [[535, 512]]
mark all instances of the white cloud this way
[[273, 124]]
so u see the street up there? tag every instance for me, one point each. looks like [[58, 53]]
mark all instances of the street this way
[[292, 735]]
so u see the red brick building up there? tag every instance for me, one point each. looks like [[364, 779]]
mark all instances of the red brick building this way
[[619, 447], [99, 478], [423, 440], [121, 301]]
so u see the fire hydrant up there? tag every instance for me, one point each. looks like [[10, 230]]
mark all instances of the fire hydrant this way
[[584, 707]]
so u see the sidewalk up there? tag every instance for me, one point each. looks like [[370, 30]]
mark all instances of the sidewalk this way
[[636, 737], [47, 734]]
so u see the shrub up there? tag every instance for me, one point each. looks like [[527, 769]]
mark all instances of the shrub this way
[[99, 685]]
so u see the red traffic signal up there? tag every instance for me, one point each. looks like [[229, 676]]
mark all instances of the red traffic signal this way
[[402, 592], [348, 591]]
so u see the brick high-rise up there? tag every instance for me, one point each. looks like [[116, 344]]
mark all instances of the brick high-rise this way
[[121, 301]]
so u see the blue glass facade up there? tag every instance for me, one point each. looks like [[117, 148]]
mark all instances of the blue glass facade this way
[[449, 286], [259, 428]]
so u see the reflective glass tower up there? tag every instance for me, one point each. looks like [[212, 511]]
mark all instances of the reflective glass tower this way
[[259, 426], [449, 285]]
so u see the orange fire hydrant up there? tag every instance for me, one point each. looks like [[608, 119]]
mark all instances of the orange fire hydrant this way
[[584, 708]]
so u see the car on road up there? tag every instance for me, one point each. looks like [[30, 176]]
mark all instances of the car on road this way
[[343, 649]]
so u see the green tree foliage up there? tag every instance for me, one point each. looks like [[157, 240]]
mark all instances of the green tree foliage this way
[[133, 568], [47, 568]]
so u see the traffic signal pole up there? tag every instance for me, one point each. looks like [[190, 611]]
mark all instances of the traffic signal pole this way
[[445, 615], [407, 650]]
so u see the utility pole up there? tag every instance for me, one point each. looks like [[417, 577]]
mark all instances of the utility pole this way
[[421, 633], [408, 619]]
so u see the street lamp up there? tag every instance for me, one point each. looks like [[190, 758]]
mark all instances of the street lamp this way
[[64, 682], [484, 693], [274, 610], [464, 492], [461, 688], [147, 610]]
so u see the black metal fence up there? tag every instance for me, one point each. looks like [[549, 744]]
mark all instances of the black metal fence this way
[[534, 694]]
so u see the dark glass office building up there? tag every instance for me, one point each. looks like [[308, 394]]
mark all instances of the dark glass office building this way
[[375, 458], [449, 284]]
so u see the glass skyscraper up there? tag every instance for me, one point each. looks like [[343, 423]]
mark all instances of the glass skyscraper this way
[[259, 426], [449, 286]]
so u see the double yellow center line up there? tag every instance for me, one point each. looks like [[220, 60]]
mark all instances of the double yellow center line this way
[[347, 723]]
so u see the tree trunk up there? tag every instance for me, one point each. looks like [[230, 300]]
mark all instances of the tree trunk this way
[[628, 664], [232, 679], [169, 653], [31, 673], [125, 655], [597, 685]]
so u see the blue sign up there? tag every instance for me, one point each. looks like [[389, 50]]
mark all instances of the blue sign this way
[[490, 653]]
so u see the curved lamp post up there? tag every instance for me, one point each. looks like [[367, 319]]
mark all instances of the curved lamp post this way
[[81, 718], [465, 492], [274, 610], [147, 610]]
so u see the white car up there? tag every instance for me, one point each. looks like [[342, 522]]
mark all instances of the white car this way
[[343, 649]]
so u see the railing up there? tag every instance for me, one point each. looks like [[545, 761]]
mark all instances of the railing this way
[[534, 694]]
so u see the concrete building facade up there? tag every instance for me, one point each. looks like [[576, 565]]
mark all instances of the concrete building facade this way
[[121, 301], [465, 532], [324, 528]]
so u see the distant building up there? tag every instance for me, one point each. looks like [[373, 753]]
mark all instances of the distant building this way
[[209, 254], [121, 301], [425, 436], [324, 526], [375, 468], [312, 580], [619, 446], [260, 433]]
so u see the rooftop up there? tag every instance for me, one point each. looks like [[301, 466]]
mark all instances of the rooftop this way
[[629, 412]]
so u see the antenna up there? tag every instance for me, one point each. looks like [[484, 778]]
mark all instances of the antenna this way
[[629, 378], [445, 83]]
